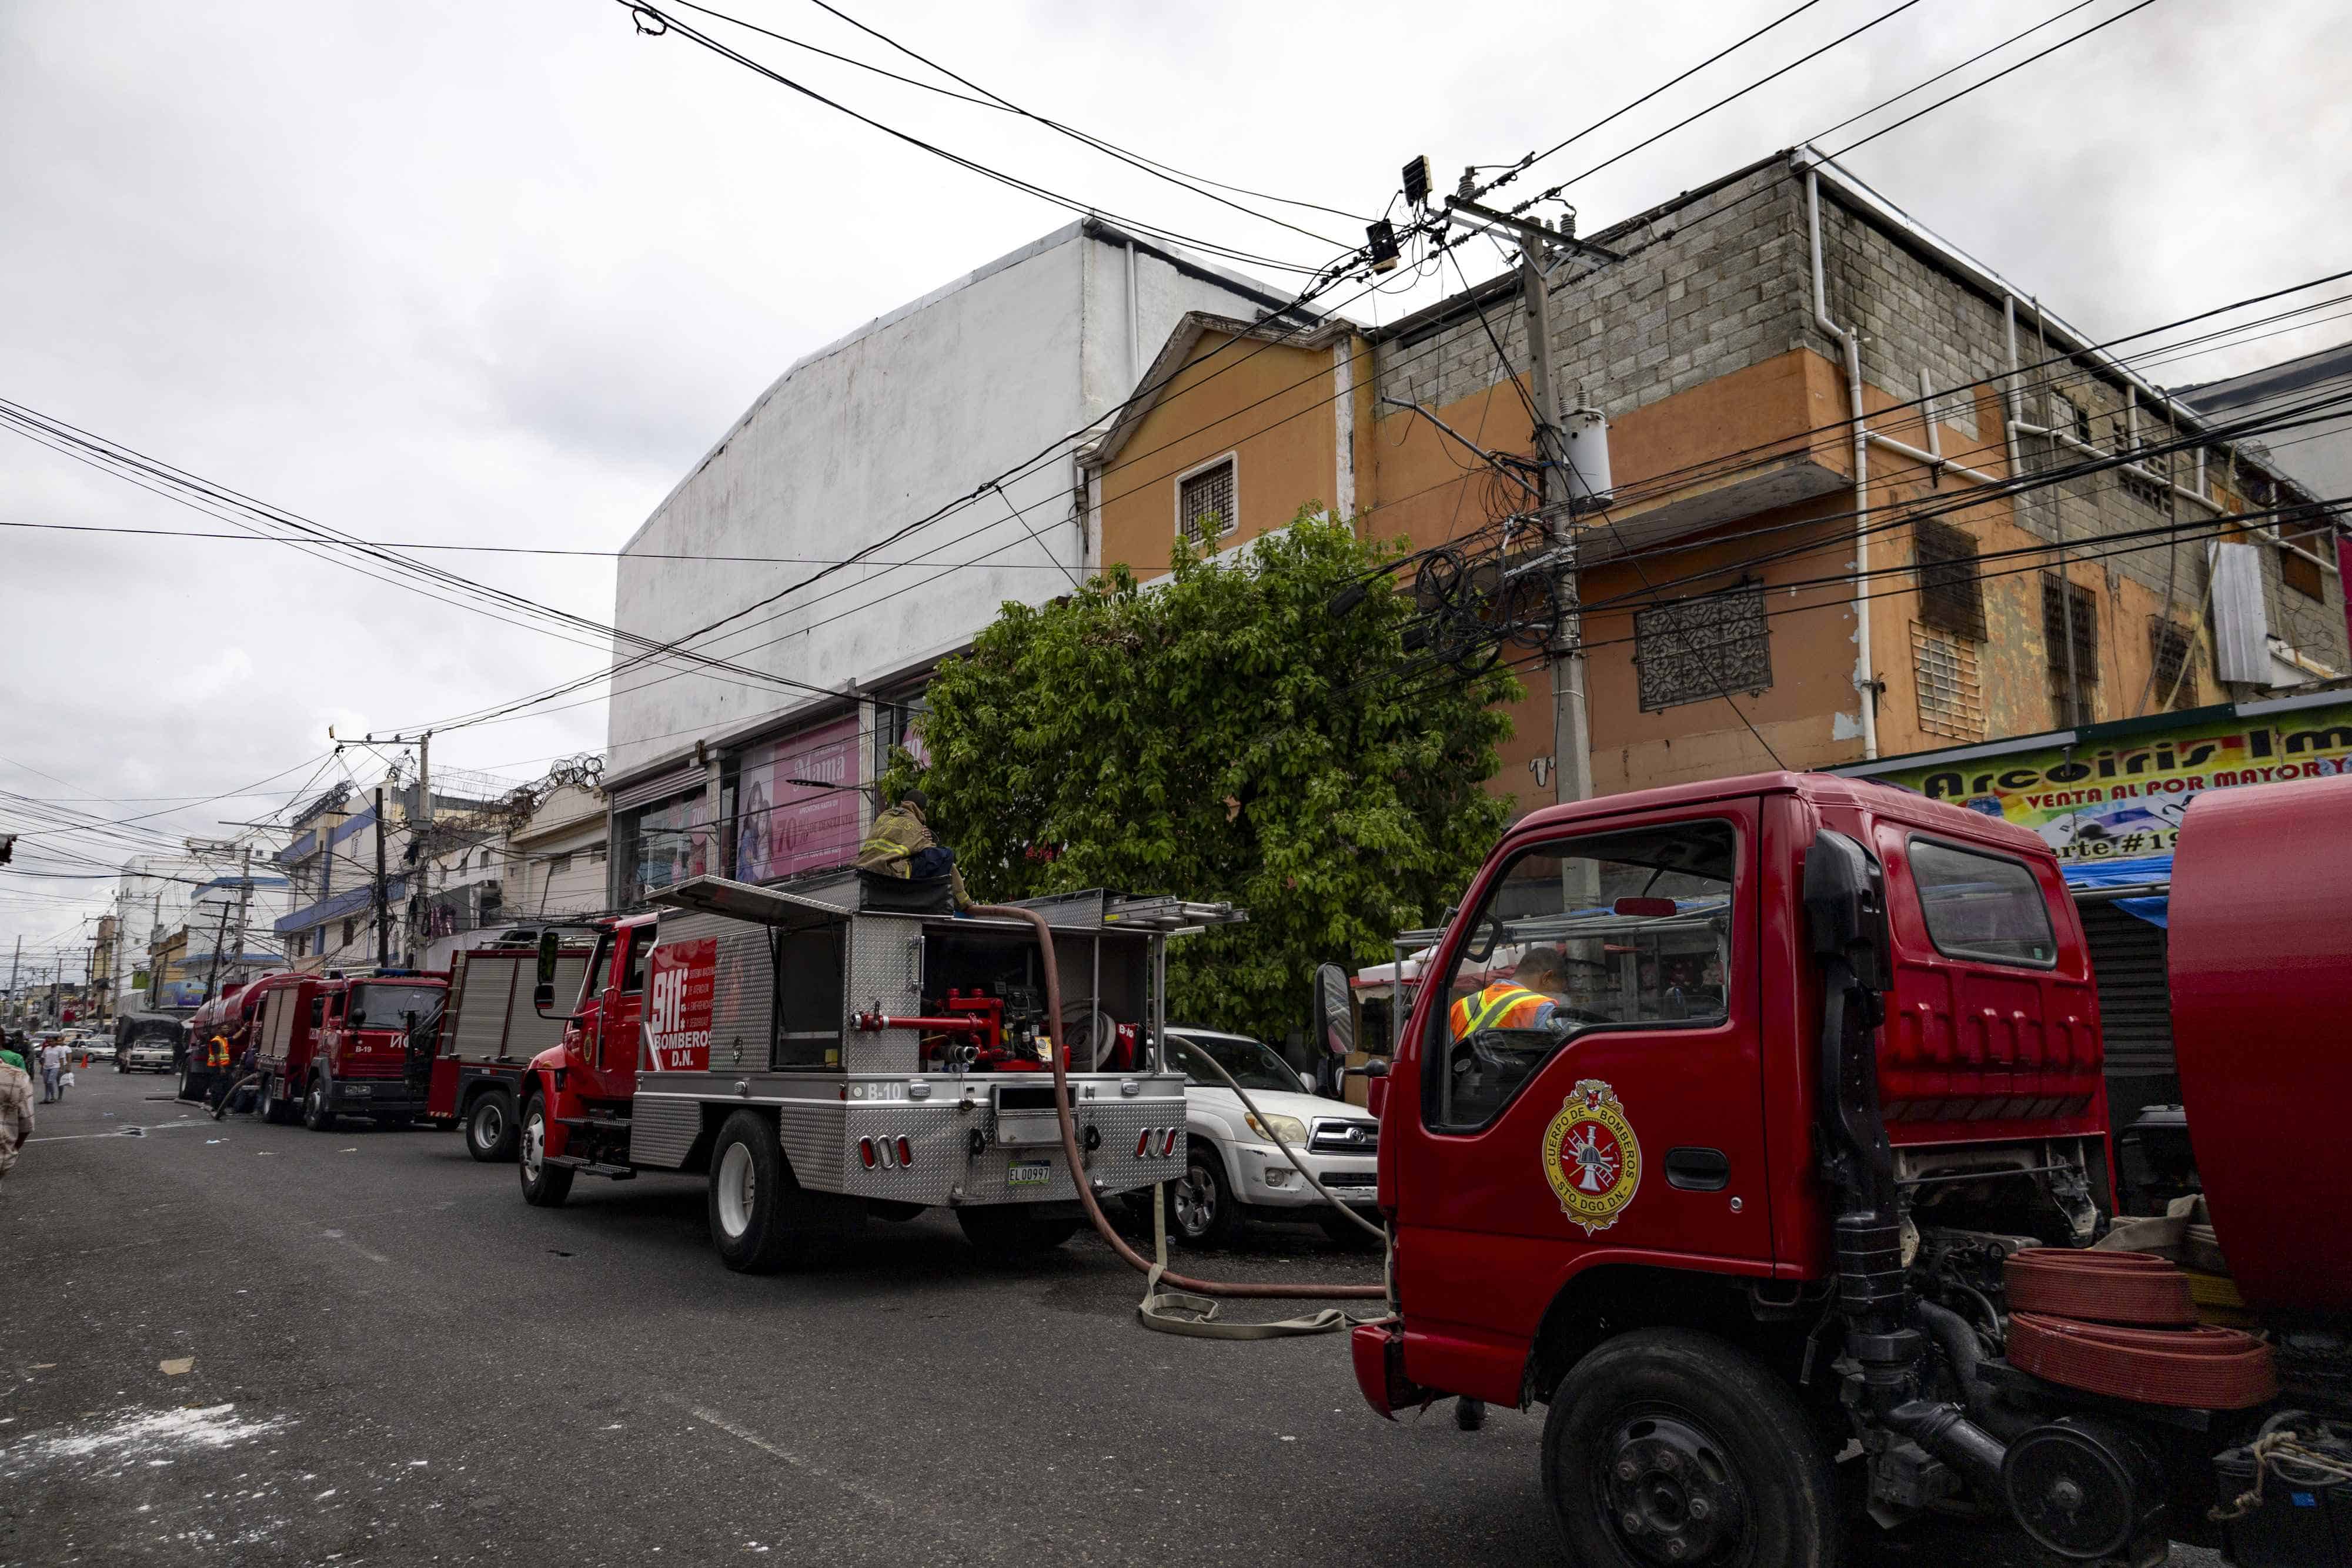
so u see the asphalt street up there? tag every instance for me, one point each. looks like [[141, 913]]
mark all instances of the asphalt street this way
[[235, 1342]]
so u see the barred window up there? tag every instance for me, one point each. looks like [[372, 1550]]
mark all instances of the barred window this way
[[1951, 595], [1205, 504], [2071, 704], [2172, 651], [1710, 647], [1952, 693]]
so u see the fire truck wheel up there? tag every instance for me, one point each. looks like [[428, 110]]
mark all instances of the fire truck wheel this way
[[543, 1186], [492, 1130], [751, 1195], [1002, 1231], [274, 1108], [185, 1092], [1202, 1210], [317, 1115], [1666, 1446]]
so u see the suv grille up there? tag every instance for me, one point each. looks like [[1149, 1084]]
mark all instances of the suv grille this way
[[1345, 1137]]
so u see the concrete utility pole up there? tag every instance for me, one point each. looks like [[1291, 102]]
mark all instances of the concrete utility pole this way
[[243, 897], [420, 834], [382, 924], [1571, 734], [16, 965], [212, 980]]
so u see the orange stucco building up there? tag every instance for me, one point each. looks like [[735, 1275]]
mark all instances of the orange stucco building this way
[[1744, 601]]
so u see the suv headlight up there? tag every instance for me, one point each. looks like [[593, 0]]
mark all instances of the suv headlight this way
[[1278, 1129]]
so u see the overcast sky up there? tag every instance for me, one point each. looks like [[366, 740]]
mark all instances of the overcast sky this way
[[500, 273]]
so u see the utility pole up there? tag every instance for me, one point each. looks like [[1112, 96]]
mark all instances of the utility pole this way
[[213, 979], [15, 966], [420, 835], [383, 926], [244, 896], [1572, 733]]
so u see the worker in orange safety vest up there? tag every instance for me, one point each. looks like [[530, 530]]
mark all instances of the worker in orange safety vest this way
[[1520, 1002]]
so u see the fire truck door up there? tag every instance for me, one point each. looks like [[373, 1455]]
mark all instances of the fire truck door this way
[[1590, 1080], [624, 1000]]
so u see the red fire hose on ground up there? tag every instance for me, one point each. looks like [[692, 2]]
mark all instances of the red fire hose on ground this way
[[1157, 1304]]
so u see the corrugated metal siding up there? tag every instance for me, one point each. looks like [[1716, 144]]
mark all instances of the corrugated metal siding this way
[[528, 1034], [2127, 956], [481, 984]]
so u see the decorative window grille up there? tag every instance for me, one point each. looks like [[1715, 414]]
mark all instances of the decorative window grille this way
[[1710, 647], [1205, 504], [2172, 649], [2075, 703], [1951, 593], [1952, 693]]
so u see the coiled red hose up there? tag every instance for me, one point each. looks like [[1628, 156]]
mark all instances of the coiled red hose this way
[[2132, 1288], [1271, 1290], [2196, 1369]]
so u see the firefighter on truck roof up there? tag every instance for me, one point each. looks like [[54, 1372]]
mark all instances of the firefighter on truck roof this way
[[900, 843]]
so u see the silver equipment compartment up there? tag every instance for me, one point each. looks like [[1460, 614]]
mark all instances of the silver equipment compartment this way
[[865, 1112]]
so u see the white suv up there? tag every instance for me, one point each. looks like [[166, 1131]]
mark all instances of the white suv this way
[[1232, 1166]]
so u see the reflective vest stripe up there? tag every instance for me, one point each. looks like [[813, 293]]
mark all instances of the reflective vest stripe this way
[[1482, 1011]]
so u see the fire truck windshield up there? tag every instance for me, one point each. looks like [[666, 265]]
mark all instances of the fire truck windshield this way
[[379, 1006]]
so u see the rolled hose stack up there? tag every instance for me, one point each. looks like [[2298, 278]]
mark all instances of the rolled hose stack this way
[[2123, 1324]]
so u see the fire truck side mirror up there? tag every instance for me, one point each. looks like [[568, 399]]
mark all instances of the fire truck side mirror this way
[[542, 990], [1335, 1024], [1845, 908]]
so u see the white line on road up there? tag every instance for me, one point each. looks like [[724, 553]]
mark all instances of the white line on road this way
[[370, 1257], [132, 1131], [712, 1418]]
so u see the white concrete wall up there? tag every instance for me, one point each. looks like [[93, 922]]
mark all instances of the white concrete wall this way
[[868, 435]]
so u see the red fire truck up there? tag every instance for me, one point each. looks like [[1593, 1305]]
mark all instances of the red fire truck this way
[[339, 1046], [828, 1051], [472, 1074], [1798, 1146]]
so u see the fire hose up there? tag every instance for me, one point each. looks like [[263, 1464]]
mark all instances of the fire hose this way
[[1156, 1302]]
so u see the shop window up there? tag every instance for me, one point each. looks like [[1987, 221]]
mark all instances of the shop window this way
[[1610, 931], [1205, 508], [1951, 593], [1695, 649], [2073, 684], [1952, 693], [1982, 906], [2172, 651]]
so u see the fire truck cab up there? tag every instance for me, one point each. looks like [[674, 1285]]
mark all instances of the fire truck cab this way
[[826, 1052], [1814, 1085]]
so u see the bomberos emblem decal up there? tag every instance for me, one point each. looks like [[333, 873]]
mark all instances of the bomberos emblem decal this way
[[1592, 1158]]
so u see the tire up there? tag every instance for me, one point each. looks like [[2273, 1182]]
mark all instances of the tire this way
[[1345, 1236], [317, 1115], [1003, 1231], [543, 1186], [186, 1091], [275, 1110], [491, 1129], [1657, 1422], [1201, 1210], [751, 1196]]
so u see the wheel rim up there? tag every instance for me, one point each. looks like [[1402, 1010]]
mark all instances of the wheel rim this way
[[739, 1188], [315, 1102], [1196, 1201], [1668, 1494], [489, 1124], [534, 1139]]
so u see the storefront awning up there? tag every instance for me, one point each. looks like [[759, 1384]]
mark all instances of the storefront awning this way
[[2139, 886]]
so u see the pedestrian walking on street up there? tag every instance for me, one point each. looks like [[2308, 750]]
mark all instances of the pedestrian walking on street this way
[[16, 1113], [53, 1066]]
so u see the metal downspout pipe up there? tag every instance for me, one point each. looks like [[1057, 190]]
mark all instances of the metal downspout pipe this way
[[1865, 683]]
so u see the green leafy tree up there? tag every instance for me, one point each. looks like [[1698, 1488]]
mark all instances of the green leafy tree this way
[[1223, 734]]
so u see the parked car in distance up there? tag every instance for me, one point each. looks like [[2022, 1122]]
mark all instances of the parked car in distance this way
[[1233, 1168]]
